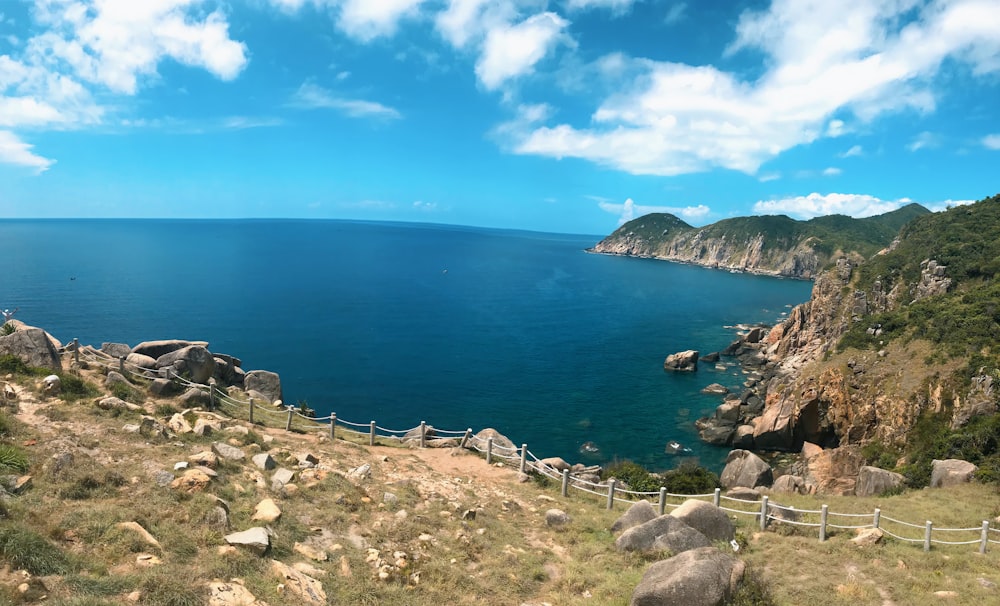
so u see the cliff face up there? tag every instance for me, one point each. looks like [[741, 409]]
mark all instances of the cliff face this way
[[772, 245]]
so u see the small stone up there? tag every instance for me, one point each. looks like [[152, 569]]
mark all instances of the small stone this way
[[266, 511], [146, 560], [868, 536], [556, 518], [180, 465], [948, 595], [264, 461]]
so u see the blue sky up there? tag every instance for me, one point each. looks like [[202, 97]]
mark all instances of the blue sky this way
[[549, 115]]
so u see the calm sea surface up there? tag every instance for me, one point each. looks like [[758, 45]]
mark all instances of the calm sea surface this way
[[398, 323]]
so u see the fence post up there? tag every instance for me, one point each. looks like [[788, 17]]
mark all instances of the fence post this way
[[611, 493], [763, 513], [985, 537], [371, 434], [524, 457], [663, 499], [465, 438], [288, 423], [927, 535], [211, 393], [251, 409], [76, 351], [423, 434], [824, 510], [877, 518], [717, 497], [565, 482], [489, 451], [333, 426], [121, 364]]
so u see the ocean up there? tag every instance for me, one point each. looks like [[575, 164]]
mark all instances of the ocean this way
[[400, 323]]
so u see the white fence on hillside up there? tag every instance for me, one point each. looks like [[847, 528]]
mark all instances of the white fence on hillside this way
[[763, 510]]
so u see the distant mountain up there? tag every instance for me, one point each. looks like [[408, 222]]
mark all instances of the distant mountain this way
[[773, 244]]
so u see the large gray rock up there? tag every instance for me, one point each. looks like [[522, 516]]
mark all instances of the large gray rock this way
[[228, 452], [664, 533], [141, 360], [265, 382], [501, 443], [640, 513], [255, 539], [789, 483], [33, 346], [949, 472], [683, 361], [744, 468], [117, 350], [155, 349], [707, 519], [195, 397], [699, 577], [193, 362], [873, 481]]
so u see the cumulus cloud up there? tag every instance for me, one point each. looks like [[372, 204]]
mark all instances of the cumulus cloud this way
[[818, 205], [992, 141], [827, 64], [831, 171], [114, 43], [676, 13], [615, 5], [14, 151], [922, 141], [511, 51], [313, 96], [629, 210], [366, 19]]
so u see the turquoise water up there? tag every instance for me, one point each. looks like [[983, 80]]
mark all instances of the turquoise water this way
[[398, 323]]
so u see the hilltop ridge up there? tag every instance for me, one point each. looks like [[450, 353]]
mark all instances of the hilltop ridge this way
[[763, 244]]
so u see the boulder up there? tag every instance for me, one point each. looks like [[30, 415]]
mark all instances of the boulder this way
[[115, 378], [663, 533], [116, 350], [141, 360], [193, 480], [155, 349], [873, 481], [717, 433], [255, 539], [790, 484], [728, 411], [556, 518], [867, 536], [710, 358], [755, 335], [744, 468], [556, 463], [306, 589], [835, 470], [193, 362], [178, 424], [682, 361], [699, 577], [501, 443], [51, 385], [774, 428], [228, 452], [707, 519], [264, 461], [282, 476], [639, 513], [231, 593], [33, 346], [266, 511], [194, 397], [743, 437], [715, 388], [743, 493], [949, 472], [265, 382]]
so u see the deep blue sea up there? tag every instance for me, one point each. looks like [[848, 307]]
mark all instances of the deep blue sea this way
[[398, 323]]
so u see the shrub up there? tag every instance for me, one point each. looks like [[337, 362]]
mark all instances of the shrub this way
[[74, 388], [8, 328], [11, 364], [124, 391], [636, 476], [753, 591], [13, 458], [23, 548], [690, 478]]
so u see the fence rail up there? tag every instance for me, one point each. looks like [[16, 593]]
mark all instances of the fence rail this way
[[763, 511]]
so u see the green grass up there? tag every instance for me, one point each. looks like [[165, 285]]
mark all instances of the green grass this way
[[22, 548], [13, 458]]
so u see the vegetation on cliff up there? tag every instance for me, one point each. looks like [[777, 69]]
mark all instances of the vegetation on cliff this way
[[765, 244]]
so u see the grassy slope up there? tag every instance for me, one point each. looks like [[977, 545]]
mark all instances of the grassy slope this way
[[506, 555]]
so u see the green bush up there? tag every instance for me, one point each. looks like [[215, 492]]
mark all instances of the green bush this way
[[22, 548], [74, 388], [753, 590], [124, 391], [13, 458], [690, 478], [8, 328], [634, 475], [11, 364]]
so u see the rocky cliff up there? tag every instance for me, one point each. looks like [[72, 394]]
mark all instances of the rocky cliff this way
[[883, 343], [772, 245]]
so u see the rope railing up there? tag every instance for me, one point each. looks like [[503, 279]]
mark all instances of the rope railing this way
[[763, 510]]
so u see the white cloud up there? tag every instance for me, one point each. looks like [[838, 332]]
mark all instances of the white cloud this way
[[764, 178], [818, 205], [114, 42], [923, 140], [510, 51], [676, 13], [629, 210], [461, 21], [14, 151], [992, 141], [822, 60], [312, 96], [615, 5], [368, 19], [855, 150], [426, 207], [831, 171], [945, 205]]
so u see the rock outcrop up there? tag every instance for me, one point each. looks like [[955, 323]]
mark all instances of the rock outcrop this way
[[699, 577], [32, 345], [744, 468], [683, 361]]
